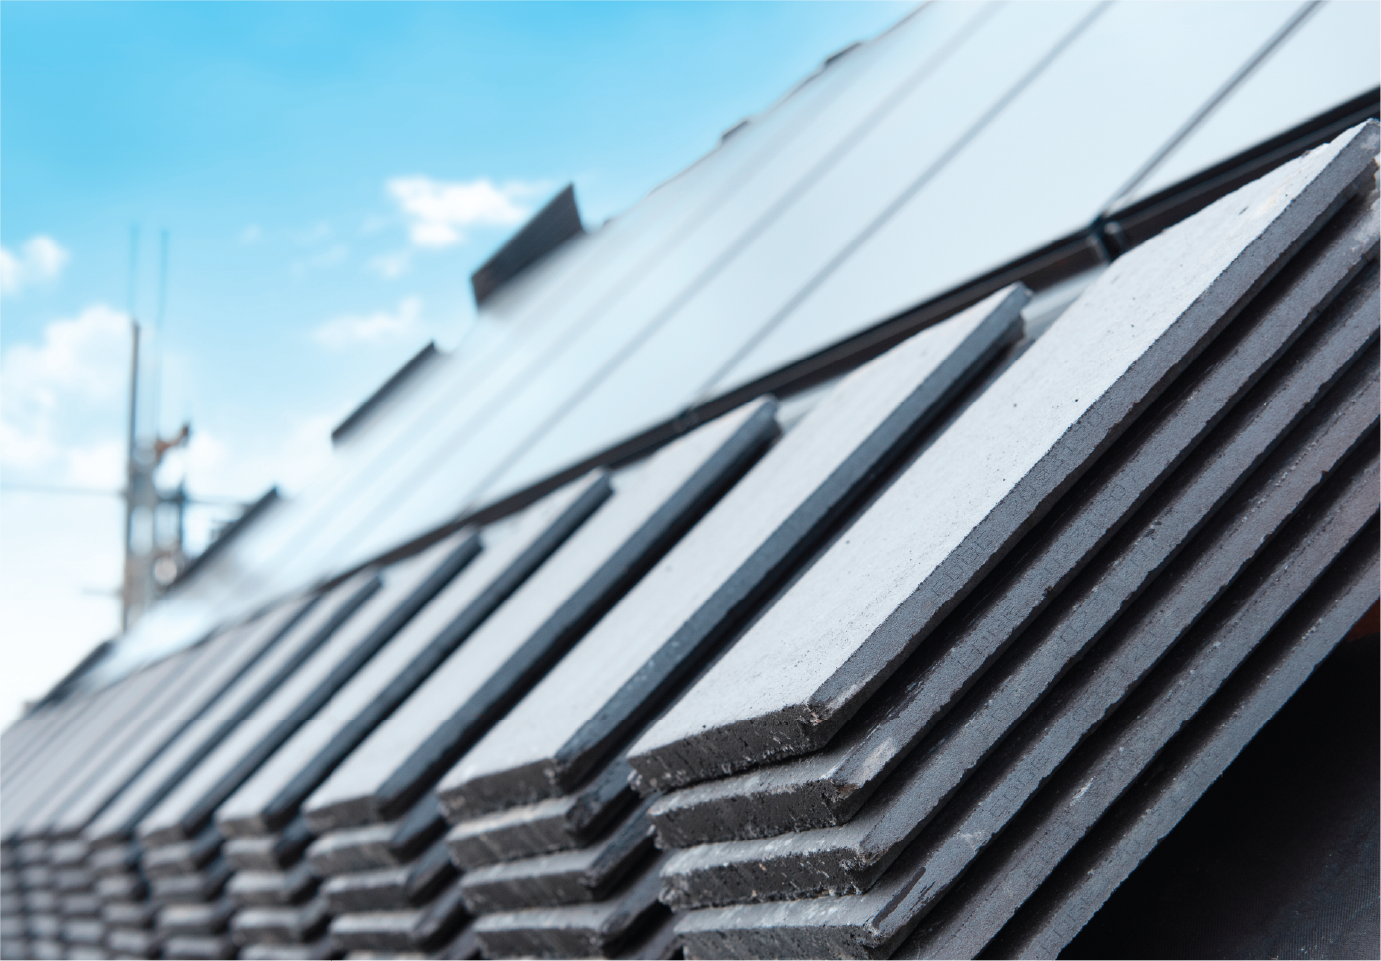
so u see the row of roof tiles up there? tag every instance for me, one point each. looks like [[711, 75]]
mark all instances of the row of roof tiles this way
[[923, 664]]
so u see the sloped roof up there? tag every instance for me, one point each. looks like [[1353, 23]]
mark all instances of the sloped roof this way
[[967, 144], [923, 660], [927, 666]]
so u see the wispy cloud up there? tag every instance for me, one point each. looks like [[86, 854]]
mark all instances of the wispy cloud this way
[[351, 330], [40, 260], [318, 233], [392, 266], [251, 235], [438, 212], [326, 257]]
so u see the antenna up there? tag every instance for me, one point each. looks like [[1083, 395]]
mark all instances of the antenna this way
[[132, 473], [154, 518], [157, 390]]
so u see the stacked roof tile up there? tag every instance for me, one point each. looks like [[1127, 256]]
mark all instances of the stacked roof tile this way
[[985, 686], [1278, 820], [920, 664]]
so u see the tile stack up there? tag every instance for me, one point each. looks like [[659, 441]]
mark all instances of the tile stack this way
[[179, 840], [398, 764], [180, 847], [83, 931], [211, 671], [273, 794], [66, 761], [186, 882], [42, 921], [552, 775], [126, 911], [13, 924], [274, 890], [20, 744], [1001, 647], [1215, 882], [390, 887], [285, 638]]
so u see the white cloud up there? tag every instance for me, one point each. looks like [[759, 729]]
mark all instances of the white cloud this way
[[40, 260], [62, 411], [206, 455], [350, 330], [245, 463], [62, 414], [251, 235], [439, 211], [63, 401]]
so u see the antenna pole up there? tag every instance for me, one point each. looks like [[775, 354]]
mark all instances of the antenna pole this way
[[157, 391], [131, 573], [152, 560]]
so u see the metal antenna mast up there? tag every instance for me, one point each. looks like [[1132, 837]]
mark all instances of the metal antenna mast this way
[[154, 519], [131, 467]]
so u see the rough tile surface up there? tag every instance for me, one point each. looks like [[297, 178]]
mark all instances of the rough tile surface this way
[[850, 621]]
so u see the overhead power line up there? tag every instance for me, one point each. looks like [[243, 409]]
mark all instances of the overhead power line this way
[[211, 501]]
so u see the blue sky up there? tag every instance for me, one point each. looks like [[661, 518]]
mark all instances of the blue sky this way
[[329, 175]]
